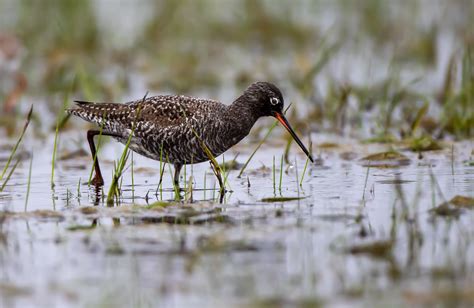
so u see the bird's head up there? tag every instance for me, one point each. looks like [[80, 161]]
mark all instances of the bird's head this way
[[267, 100]]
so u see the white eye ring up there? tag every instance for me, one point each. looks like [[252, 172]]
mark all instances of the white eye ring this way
[[274, 101]]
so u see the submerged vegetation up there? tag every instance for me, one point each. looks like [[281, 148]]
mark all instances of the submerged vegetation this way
[[382, 218]]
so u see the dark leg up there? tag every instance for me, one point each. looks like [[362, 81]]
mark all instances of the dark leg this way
[[221, 183], [177, 170], [97, 180]]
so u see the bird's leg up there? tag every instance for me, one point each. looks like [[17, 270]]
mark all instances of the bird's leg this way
[[98, 180], [177, 170], [219, 179]]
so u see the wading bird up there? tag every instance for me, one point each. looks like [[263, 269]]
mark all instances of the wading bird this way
[[176, 129]]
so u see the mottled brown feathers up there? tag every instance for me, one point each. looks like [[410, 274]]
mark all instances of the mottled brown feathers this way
[[170, 122]]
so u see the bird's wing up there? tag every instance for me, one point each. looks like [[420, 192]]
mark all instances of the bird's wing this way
[[157, 112], [166, 110]]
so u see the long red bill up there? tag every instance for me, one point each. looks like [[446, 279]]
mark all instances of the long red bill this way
[[281, 118]]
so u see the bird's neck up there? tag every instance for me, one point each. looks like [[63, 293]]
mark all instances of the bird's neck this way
[[241, 115], [243, 112]]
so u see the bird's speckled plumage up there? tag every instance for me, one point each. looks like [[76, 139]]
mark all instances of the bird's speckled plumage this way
[[169, 120], [173, 127]]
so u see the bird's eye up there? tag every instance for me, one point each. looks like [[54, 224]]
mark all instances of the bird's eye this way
[[274, 101]]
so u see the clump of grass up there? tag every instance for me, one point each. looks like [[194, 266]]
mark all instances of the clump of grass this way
[[418, 117], [117, 173], [120, 166], [458, 110], [424, 143]]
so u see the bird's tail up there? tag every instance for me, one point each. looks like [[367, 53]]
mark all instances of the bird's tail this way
[[93, 112]]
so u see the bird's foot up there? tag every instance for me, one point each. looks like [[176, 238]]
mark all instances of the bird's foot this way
[[97, 181]]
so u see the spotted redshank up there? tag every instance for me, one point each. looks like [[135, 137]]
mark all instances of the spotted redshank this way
[[175, 127]]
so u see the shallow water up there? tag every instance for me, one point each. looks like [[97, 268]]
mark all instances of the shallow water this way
[[360, 234], [243, 251]]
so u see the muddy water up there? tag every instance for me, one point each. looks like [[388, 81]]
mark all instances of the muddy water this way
[[331, 247]]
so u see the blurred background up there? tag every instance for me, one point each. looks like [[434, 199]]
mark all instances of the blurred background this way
[[378, 70], [374, 222]]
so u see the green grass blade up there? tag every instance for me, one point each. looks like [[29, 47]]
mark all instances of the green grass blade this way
[[55, 148], [28, 118], [304, 171], [29, 182], [119, 169], [260, 144], [9, 175]]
